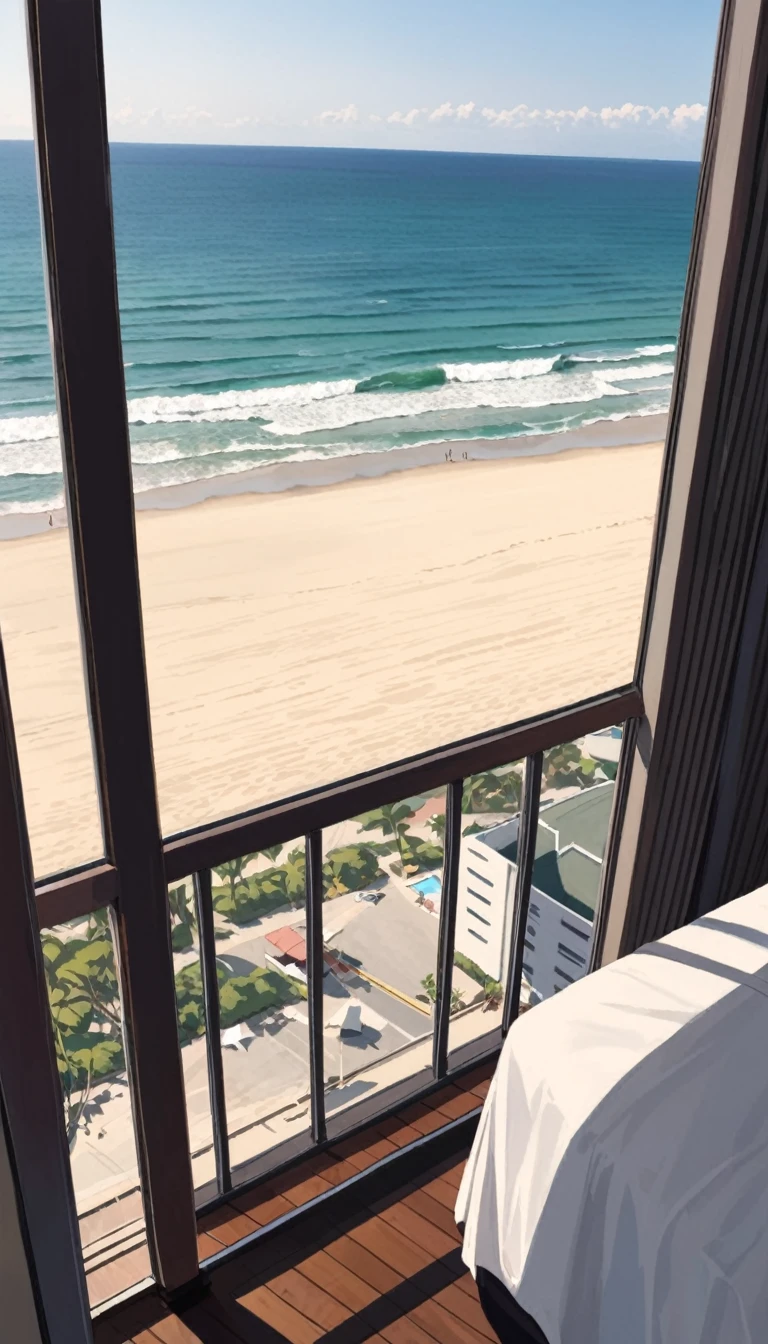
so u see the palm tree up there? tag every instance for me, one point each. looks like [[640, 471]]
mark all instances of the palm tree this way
[[233, 873], [392, 820]]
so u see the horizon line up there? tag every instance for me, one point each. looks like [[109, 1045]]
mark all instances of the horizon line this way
[[373, 149]]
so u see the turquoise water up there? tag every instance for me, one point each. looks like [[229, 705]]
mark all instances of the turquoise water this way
[[280, 305], [428, 886]]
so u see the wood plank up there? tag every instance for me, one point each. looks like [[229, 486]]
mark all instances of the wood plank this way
[[434, 1211], [197, 1327], [406, 1331], [364, 1263], [390, 1197], [117, 1275], [467, 1309], [467, 1285], [305, 1296], [482, 1074], [340, 1171], [439, 1189], [452, 1175], [481, 1090], [425, 1234], [245, 1271], [389, 1245], [446, 1327], [462, 1104], [207, 1245], [227, 1225], [275, 1311], [337, 1280], [280, 1183], [436, 1100], [104, 1332], [422, 1118], [309, 1188], [263, 1205], [397, 1132]]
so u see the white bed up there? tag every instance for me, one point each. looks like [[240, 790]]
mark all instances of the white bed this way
[[618, 1182]]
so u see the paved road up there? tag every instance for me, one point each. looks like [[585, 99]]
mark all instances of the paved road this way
[[395, 940]]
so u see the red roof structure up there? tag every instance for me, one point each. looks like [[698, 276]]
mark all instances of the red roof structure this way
[[289, 943]]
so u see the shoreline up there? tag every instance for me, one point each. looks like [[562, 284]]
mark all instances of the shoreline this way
[[317, 473]]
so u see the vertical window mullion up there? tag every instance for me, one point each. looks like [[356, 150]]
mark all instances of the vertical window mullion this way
[[30, 1091], [608, 873], [67, 72]]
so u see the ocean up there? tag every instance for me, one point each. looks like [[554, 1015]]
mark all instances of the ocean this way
[[289, 305]]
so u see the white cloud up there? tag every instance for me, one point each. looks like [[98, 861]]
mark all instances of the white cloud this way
[[342, 115], [464, 111], [629, 114], [406, 118], [444, 110], [190, 116], [509, 116], [687, 113]]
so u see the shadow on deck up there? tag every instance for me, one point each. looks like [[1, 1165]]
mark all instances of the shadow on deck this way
[[377, 1258]]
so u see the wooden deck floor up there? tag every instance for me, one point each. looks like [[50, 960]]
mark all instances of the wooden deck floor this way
[[379, 1259]]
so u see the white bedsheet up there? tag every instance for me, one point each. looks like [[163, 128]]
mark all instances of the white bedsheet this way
[[618, 1182]]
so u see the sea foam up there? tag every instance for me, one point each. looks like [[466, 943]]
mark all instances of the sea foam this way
[[304, 408]]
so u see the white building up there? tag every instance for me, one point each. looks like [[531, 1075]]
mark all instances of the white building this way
[[566, 876]]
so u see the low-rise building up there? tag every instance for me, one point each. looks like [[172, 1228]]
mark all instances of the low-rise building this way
[[570, 844]]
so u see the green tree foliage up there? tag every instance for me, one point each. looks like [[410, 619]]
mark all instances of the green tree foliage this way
[[414, 853], [492, 791], [181, 902], [437, 826], [392, 820], [565, 765], [493, 991], [240, 997], [350, 868], [295, 867], [83, 993], [233, 877], [429, 986], [85, 1010]]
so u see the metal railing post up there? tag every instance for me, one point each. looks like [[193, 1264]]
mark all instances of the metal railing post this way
[[526, 854], [315, 966], [66, 64], [447, 931], [207, 934]]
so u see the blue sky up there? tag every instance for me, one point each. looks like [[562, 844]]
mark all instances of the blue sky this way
[[552, 77]]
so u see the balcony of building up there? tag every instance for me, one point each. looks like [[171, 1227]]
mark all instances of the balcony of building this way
[[241, 1065]]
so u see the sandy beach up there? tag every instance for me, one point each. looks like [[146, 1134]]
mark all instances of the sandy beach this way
[[295, 638]]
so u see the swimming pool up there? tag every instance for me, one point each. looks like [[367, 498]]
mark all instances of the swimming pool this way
[[428, 886]]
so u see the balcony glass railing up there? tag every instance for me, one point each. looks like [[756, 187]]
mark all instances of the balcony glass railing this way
[[321, 981]]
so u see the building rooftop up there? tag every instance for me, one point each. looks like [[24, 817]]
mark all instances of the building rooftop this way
[[288, 942], [570, 844]]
